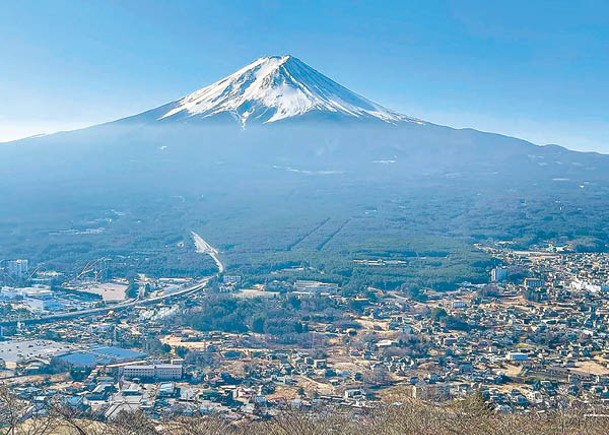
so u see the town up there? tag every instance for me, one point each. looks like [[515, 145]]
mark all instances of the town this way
[[532, 338]]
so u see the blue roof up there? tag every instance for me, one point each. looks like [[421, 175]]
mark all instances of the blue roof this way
[[101, 355]]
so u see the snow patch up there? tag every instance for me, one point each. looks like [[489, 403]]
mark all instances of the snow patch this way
[[274, 88]]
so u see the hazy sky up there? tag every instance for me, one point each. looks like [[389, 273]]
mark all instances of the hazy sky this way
[[533, 69]]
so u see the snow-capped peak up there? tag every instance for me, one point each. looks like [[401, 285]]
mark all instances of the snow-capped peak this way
[[275, 88]]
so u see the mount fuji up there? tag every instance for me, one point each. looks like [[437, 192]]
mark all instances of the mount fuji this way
[[272, 89], [279, 160]]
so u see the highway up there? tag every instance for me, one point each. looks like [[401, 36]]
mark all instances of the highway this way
[[201, 246], [118, 307], [205, 248]]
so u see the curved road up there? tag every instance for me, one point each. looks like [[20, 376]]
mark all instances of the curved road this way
[[118, 307], [202, 247]]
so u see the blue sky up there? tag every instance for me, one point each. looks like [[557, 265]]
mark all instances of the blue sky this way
[[532, 69]]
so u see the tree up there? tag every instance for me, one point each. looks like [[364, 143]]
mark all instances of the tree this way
[[132, 291], [474, 404], [377, 376], [11, 410], [258, 325], [131, 423], [438, 314], [294, 302]]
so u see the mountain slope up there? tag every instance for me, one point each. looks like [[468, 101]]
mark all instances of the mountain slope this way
[[324, 194], [273, 89]]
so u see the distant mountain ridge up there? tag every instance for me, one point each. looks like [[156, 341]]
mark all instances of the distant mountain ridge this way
[[271, 89]]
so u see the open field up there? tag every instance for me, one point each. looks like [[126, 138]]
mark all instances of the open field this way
[[109, 291]]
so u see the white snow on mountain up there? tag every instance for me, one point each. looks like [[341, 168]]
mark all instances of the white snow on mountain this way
[[275, 88]]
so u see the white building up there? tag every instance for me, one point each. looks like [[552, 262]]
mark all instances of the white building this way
[[517, 356], [18, 268], [459, 304], [499, 274], [153, 371], [316, 286]]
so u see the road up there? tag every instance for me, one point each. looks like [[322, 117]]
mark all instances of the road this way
[[202, 247], [205, 248], [118, 307]]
